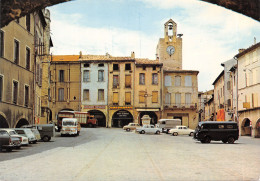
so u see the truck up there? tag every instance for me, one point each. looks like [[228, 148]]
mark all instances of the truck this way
[[167, 124], [84, 118]]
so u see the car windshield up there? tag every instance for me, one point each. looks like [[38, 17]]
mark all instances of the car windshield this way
[[2, 132], [68, 123], [12, 133]]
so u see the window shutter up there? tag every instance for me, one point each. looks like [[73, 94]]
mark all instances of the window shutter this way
[[128, 81], [115, 97], [155, 96], [128, 97]]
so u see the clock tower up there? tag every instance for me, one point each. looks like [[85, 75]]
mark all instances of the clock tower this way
[[169, 48]]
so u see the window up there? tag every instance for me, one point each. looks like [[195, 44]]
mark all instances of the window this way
[[100, 75], [15, 91], [86, 65], [61, 94], [28, 22], [1, 43], [155, 97], [188, 81], [144, 67], [26, 96], [127, 66], [100, 65], [177, 80], [141, 96], [115, 81], [101, 95], [168, 98], [115, 67], [1, 87], [128, 98], [86, 77], [86, 95], [154, 78], [141, 79], [188, 99], [61, 76], [115, 98], [168, 81], [127, 81], [16, 52], [178, 99], [28, 58]]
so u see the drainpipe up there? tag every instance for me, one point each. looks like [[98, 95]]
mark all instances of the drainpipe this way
[[34, 71]]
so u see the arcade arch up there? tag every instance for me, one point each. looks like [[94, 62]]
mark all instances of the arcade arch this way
[[100, 116], [151, 114], [21, 122], [246, 128], [121, 118], [257, 129], [3, 122]]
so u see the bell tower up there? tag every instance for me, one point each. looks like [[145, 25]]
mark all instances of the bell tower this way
[[169, 48]]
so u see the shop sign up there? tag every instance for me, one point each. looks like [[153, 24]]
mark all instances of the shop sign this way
[[94, 107], [121, 107]]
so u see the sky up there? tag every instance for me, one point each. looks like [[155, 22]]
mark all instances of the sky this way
[[211, 34]]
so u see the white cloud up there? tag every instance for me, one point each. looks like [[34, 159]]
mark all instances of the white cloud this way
[[70, 38]]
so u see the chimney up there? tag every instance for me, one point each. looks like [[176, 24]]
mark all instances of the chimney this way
[[254, 40], [241, 50], [80, 54], [107, 55], [133, 55]]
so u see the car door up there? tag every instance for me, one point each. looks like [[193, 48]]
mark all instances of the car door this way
[[185, 130], [180, 130]]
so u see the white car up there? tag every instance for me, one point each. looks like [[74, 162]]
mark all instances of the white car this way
[[12, 132], [181, 130], [148, 129], [27, 133]]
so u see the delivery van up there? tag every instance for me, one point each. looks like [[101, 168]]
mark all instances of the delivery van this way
[[167, 124], [70, 126]]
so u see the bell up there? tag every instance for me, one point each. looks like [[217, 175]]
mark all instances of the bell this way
[[170, 26]]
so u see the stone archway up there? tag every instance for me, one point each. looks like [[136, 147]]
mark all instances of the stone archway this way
[[151, 114], [257, 129], [100, 116], [3, 122], [21, 122], [246, 128], [121, 118]]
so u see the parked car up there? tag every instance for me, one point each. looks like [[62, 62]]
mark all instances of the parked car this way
[[12, 132], [15, 139], [181, 130], [46, 130], [225, 131], [28, 133], [131, 126], [6, 141], [148, 129]]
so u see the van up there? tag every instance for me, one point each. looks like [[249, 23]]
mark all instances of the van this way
[[46, 131], [225, 131], [70, 126], [167, 124]]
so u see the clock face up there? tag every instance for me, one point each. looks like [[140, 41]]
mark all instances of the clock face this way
[[170, 50]]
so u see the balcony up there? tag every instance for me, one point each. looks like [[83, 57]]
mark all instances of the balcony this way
[[180, 106]]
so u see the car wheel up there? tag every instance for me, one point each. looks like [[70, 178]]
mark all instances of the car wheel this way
[[224, 141], [142, 132], [90, 125], [191, 134], [34, 142], [157, 132], [202, 141], [45, 138], [128, 129], [207, 140], [175, 134], [231, 140], [78, 133]]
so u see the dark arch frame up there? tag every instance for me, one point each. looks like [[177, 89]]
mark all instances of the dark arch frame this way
[[118, 121], [3, 122], [98, 114]]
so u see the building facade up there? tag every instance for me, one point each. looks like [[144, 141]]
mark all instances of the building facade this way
[[17, 73], [248, 87], [65, 87]]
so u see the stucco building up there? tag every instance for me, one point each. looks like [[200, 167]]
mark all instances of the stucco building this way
[[248, 87]]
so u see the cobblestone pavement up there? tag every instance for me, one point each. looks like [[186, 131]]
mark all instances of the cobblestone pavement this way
[[113, 154]]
